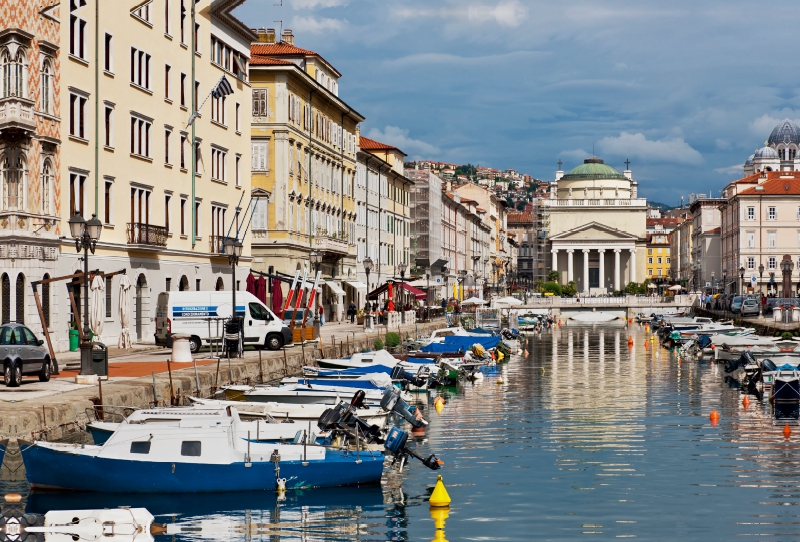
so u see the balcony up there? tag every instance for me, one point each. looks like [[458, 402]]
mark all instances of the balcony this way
[[146, 234], [332, 244], [17, 114], [216, 244]]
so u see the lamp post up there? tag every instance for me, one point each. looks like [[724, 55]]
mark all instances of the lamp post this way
[[741, 274], [315, 258], [86, 235], [494, 275], [462, 275], [401, 268], [428, 292], [367, 268], [713, 284], [233, 250], [724, 280]]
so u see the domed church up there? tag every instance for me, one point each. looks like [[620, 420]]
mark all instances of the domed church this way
[[779, 152], [595, 225]]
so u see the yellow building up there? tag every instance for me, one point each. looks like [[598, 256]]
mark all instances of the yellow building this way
[[304, 143], [127, 147], [658, 257]]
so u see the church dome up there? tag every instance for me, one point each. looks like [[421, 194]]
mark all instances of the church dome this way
[[786, 132], [766, 152], [594, 168], [750, 160]]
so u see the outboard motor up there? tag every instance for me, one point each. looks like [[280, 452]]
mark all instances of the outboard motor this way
[[392, 402], [744, 359], [398, 373], [396, 444]]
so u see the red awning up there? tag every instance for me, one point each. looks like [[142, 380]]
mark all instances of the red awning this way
[[418, 294]]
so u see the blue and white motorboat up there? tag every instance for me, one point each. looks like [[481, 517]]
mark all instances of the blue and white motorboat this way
[[207, 451], [378, 357], [308, 391]]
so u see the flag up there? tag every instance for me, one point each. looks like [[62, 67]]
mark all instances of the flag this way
[[223, 88]]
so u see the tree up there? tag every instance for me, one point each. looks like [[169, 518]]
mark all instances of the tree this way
[[468, 170], [552, 287], [570, 289], [553, 276]]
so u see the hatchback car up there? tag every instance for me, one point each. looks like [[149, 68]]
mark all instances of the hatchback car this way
[[22, 354], [736, 303], [750, 307]]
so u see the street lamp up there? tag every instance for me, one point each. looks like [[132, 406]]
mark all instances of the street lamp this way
[[713, 284], [233, 250], [86, 235], [724, 280], [462, 275], [494, 274], [401, 268], [761, 278], [741, 274], [367, 268], [315, 258], [428, 291]]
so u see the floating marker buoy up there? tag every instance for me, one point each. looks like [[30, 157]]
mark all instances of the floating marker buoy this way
[[418, 431], [500, 380], [525, 353], [439, 407], [746, 401], [646, 343], [13, 497], [787, 431], [652, 338], [714, 417], [439, 498], [630, 340]]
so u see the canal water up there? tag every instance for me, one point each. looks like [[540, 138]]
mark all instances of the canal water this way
[[585, 437]]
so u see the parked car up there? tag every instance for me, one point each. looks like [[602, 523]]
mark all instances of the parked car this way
[[750, 307], [773, 302], [736, 303], [22, 354], [298, 316]]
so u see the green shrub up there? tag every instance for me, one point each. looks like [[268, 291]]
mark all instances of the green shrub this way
[[553, 287], [392, 339], [378, 344], [570, 289], [786, 335]]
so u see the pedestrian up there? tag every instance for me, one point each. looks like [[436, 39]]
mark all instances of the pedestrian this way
[[351, 312], [321, 315]]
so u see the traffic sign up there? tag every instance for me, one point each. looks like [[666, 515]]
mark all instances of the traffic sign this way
[[753, 279]]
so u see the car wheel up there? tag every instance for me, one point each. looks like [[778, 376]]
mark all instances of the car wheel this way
[[7, 375], [44, 374], [13, 375], [194, 345], [274, 342]]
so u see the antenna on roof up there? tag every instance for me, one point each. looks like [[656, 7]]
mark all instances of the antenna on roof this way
[[280, 32], [279, 5]]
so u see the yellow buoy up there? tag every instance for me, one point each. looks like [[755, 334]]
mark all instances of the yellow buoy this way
[[439, 406], [439, 497]]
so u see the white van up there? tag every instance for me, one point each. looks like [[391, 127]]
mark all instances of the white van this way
[[199, 315]]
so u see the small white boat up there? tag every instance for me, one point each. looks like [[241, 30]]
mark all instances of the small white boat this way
[[593, 317], [113, 525], [379, 357], [306, 393]]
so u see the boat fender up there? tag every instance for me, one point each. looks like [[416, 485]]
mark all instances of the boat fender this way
[[281, 484]]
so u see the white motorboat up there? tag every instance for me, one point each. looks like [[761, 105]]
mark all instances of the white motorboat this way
[[593, 317], [379, 357]]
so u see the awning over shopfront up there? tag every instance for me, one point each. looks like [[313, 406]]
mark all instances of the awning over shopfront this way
[[418, 294], [360, 286], [334, 287]]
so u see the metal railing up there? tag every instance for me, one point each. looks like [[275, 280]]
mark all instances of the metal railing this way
[[146, 234], [216, 244]]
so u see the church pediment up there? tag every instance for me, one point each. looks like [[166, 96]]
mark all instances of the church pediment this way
[[594, 231]]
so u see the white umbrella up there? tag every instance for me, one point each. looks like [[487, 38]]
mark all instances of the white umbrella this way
[[675, 288], [124, 312], [97, 306], [652, 286], [473, 301], [508, 301]]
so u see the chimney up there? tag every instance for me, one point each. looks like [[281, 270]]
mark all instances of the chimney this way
[[288, 37], [266, 35]]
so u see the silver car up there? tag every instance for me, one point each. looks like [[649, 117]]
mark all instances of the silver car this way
[[22, 354], [750, 307]]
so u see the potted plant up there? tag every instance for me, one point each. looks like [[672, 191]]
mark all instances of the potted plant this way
[[360, 317]]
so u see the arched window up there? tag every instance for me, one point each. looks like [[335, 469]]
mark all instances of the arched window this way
[[14, 66], [46, 300], [47, 187], [5, 288], [220, 286], [20, 299], [183, 285], [47, 85]]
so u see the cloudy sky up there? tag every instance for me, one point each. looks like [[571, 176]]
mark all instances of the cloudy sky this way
[[686, 90]]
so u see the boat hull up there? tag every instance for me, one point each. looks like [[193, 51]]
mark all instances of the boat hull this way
[[54, 469]]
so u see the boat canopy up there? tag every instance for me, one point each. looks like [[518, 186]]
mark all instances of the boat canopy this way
[[358, 371], [458, 343]]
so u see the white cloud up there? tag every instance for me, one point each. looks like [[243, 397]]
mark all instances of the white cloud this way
[[722, 144], [764, 124], [399, 138], [444, 58], [312, 25], [510, 13], [730, 170], [674, 150], [311, 4], [575, 154]]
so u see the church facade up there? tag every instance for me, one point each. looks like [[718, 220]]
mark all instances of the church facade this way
[[596, 228]]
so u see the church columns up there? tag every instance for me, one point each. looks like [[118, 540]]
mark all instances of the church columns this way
[[602, 268], [616, 269], [633, 265], [569, 265], [586, 270], [555, 261]]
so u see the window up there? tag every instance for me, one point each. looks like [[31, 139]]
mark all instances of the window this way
[[183, 90], [169, 284], [47, 186], [260, 97], [659, 271], [183, 216], [167, 199], [183, 21], [108, 123], [751, 263], [140, 137], [650, 251], [237, 128], [772, 262], [140, 206], [751, 239], [183, 151], [166, 17], [217, 227], [196, 37], [140, 68], [141, 447], [259, 161], [108, 64], [668, 259], [751, 213], [77, 30], [197, 221], [218, 109], [259, 220], [650, 272], [197, 96], [109, 284], [47, 86], [197, 285], [772, 239], [167, 134], [219, 159], [107, 199], [142, 13], [236, 172], [166, 81], [76, 193], [77, 116], [650, 260], [772, 213], [659, 259]]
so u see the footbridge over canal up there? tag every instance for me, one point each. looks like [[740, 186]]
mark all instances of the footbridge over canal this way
[[622, 307]]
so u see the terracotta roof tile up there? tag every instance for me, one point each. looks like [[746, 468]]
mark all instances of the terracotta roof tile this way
[[258, 60], [368, 144], [280, 48], [520, 217], [714, 230], [777, 183]]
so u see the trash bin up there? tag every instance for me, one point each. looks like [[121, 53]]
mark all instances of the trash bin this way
[[181, 350], [74, 340], [99, 359], [776, 314]]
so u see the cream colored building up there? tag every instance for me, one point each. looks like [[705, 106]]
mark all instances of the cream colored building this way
[[304, 144], [597, 227], [127, 150]]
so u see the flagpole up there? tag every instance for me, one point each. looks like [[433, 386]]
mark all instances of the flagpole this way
[[194, 145]]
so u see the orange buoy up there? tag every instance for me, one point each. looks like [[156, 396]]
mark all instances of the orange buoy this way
[[787, 431], [714, 417], [630, 340], [418, 431], [746, 401], [16, 497]]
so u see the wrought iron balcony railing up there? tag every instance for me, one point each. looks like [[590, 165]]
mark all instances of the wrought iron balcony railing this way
[[146, 234]]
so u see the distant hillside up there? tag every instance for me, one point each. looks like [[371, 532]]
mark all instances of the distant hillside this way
[[660, 206]]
